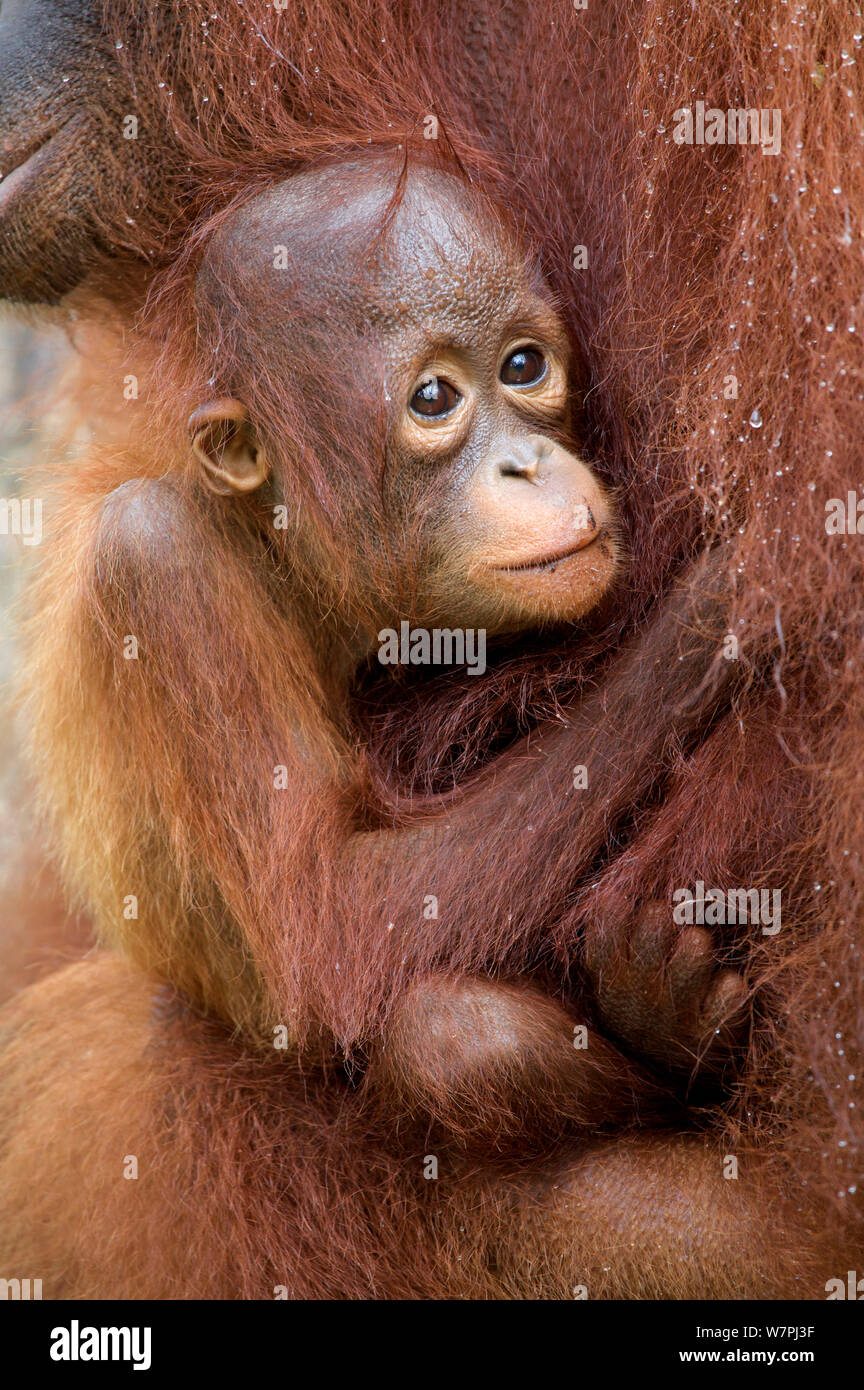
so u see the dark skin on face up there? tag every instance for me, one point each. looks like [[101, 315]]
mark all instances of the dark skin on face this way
[[495, 521], [63, 156]]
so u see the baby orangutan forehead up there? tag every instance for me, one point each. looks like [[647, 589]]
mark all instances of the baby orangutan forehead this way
[[325, 243]]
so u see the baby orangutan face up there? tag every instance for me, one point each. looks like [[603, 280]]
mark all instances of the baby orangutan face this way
[[426, 332], [523, 532]]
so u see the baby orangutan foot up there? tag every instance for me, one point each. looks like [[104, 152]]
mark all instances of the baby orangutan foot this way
[[663, 995]]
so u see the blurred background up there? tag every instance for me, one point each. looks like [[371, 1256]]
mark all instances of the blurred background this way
[[36, 933], [29, 358]]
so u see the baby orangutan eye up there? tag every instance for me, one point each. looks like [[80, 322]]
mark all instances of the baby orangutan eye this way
[[524, 367], [435, 399]]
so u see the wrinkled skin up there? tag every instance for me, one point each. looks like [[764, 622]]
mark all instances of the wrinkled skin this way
[[68, 171]]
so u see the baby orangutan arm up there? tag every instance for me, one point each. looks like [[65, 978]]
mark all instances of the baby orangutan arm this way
[[509, 1081], [690, 1012], [500, 1065]]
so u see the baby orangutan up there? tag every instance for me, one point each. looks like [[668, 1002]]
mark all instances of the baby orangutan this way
[[401, 352], [383, 437]]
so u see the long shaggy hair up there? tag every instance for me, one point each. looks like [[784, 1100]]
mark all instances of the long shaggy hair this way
[[718, 371]]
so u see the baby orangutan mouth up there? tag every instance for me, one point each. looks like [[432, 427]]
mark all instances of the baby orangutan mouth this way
[[551, 562]]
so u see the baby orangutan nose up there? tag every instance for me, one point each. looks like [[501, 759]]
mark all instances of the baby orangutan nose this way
[[522, 459], [527, 459], [543, 527]]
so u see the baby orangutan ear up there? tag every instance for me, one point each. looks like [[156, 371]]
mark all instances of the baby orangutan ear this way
[[224, 443]]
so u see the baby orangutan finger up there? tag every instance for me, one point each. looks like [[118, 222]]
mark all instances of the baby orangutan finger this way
[[653, 939], [691, 968], [725, 1008]]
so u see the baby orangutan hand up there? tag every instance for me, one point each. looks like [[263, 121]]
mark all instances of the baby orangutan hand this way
[[662, 994]]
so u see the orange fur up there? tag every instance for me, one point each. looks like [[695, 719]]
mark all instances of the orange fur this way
[[702, 263]]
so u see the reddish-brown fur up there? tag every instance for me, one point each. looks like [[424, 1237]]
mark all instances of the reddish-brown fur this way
[[196, 860], [253, 1179], [702, 262]]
